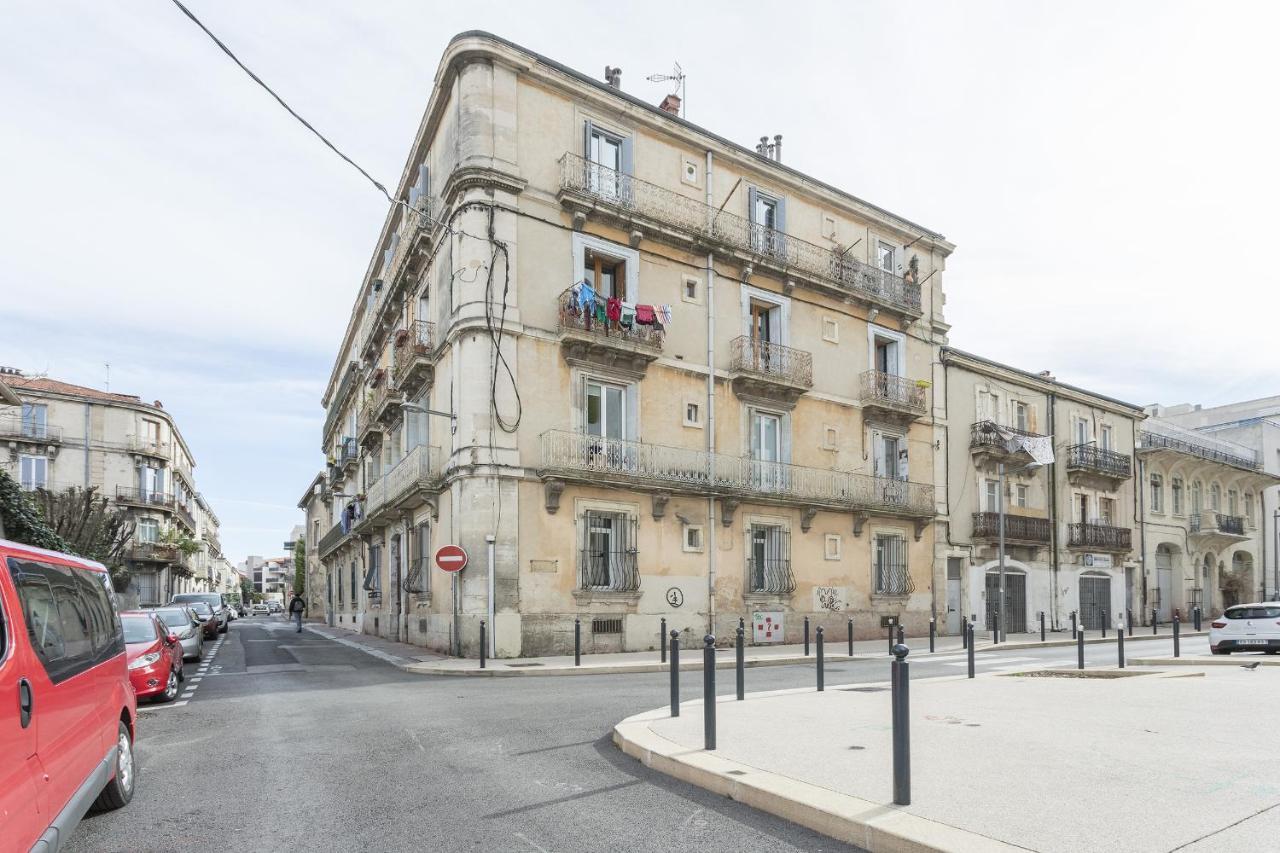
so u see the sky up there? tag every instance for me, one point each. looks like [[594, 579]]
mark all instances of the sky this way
[[1092, 161]]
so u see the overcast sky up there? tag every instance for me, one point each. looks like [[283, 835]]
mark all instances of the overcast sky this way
[[1106, 170]]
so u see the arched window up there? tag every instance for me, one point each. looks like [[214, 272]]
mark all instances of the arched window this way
[[1215, 497], [1157, 493], [1197, 499], [1248, 508], [1233, 502], [1175, 489]]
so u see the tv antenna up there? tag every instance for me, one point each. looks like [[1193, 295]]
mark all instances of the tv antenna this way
[[676, 76]]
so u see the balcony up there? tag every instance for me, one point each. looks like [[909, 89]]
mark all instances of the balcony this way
[[1215, 529], [154, 448], [1099, 537], [986, 445], [337, 404], [407, 257], [332, 539], [892, 398], [1088, 462], [133, 496], [769, 370], [1018, 529], [589, 189], [153, 552], [185, 517], [632, 464], [17, 428], [1168, 438], [585, 339], [411, 362], [409, 484], [379, 409], [348, 454]]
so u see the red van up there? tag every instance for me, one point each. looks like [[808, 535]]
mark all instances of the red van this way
[[67, 709]]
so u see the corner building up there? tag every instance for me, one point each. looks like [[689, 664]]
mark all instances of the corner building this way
[[638, 372]]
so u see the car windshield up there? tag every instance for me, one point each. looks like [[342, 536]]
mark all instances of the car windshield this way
[[201, 608], [138, 629], [201, 597], [174, 617], [1252, 613]]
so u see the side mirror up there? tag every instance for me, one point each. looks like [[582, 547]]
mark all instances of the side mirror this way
[[172, 638]]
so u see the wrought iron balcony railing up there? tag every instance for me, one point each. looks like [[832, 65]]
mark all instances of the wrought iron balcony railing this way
[[1205, 449], [897, 392], [150, 447], [1104, 537], [699, 221], [348, 451], [1093, 459], [594, 457], [153, 552], [15, 426], [1217, 522], [984, 434], [332, 538], [771, 575], [1021, 528], [144, 497], [413, 345], [185, 516], [771, 361], [584, 319], [421, 468]]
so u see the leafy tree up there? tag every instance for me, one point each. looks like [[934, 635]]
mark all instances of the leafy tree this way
[[90, 526], [299, 566], [20, 518], [246, 589]]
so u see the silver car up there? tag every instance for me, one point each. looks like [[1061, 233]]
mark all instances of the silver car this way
[[183, 623]]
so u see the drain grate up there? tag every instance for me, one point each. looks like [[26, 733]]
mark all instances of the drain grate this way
[[864, 689], [531, 663], [736, 772]]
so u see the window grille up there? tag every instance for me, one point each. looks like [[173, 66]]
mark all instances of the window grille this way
[[892, 577], [372, 577], [769, 561], [607, 560], [606, 626]]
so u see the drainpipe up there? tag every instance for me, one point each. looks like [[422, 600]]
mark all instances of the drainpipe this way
[[1055, 590], [86, 446], [711, 412], [489, 540], [1139, 500]]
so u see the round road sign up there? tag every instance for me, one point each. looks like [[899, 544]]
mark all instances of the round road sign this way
[[451, 558]]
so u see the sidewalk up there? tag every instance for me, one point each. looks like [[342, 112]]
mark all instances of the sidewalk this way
[[999, 763], [418, 660]]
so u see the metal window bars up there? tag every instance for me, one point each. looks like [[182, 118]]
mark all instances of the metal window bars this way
[[769, 563], [771, 360], [892, 577], [607, 560]]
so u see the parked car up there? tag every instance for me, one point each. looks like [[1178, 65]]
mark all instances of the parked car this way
[[67, 710], [207, 618], [261, 609], [244, 611], [275, 606], [1246, 628], [216, 601], [183, 622], [155, 656]]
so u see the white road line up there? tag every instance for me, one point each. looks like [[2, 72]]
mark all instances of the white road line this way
[[195, 679], [989, 661], [188, 694]]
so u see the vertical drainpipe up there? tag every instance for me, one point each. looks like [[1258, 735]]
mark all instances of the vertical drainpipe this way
[[1055, 586], [86, 447], [711, 411], [1139, 508]]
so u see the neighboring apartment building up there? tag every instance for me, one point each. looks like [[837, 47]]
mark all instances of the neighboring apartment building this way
[[1070, 527], [318, 589], [1215, 525], [678, 379], [66, 435]]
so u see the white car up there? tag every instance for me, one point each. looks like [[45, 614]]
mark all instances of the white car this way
[[1246, 628], [260, 609]]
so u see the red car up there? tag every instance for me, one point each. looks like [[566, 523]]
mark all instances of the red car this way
[[155, 656], [67, 710]]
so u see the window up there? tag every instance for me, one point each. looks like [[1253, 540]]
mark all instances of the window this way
[[689, 172], [1080, 429], [1107, 511], [1157, 493], [690, 290], [1107, 442], [1233, 502], [148, 530], [891, 565], [692, 414], [830, 330], [416, 432], [768, 222], [1248, 508], [151, 484], [608, 557], [769, 559], [606, 274], [890, 459], [605, 413], [1020, 498], [612, 270], [831, 546], [1197, 497], [1022, 416], [692, 541], [354, 582], [608, 158], [992, 495], [1215, 497], [887, 355], [33, 472], [989, 406], [1175, 491], [70, 616], [766, 450], [373, 577], [886, 256], [35, 420]]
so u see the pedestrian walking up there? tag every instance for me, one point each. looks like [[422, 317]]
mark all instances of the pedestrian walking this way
[[297, 607]]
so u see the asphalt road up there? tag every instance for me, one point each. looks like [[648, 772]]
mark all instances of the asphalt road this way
[[292, 741]]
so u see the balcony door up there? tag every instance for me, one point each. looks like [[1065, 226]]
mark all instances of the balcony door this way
[[605, 418], [764, 330], [766, 450], [607, 156], [151, 483], [35, 420]]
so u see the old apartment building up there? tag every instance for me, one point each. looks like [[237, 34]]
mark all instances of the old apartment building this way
[[65, 435], [1071, 527], [637, 371]]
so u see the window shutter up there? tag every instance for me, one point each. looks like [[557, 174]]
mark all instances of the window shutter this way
[[628, 162], [780, 216], [632, 425], [587, 130], [752, 195], [784, 440]]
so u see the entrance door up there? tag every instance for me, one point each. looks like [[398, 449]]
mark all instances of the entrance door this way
[[1164, 584], [1095, 600], [1015, 600], [396, 590], [953, 595]]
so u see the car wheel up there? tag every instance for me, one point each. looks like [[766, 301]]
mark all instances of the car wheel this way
[[1220, 651], [119, 790], [170, 688], [223, 629], [182, 672]]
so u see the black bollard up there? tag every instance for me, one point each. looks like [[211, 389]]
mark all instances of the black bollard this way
[[741, 664], [483, 644], [995, 629], [1080, 650], [1155, 622], [1177, 648], [662, 639], [850, 638], [577, 641], [1042, 626], [902, 632], [1120, 646], [891, 636], [1073, 624], [901, 726], [806, 636], [742, 623], [1104, 624], [968, 630], [820, 685], [1197, 618], [709, 692], [933, 631], [675, 673], [964, 634]]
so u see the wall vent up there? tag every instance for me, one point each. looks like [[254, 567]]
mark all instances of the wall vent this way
[[606, 626]]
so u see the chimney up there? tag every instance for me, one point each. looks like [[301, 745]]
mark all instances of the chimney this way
[[777, 147], [613, 76], [772, 150], [670, 104], [763, 148], [1044, 374]]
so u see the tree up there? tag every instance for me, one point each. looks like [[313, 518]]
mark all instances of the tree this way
[[246, 590], [20, 518], [299, 566], [90, 526]]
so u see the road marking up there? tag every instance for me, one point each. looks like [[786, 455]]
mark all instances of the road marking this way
[[988, 661], [188, 694], [195, 679]]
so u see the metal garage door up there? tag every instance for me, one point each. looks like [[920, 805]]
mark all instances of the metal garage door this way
[[1095, 600], [1164, 584], [1015, 600]]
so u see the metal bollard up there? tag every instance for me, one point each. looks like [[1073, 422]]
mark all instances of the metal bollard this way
[[968, 629], [577, 641], [742, 623], [806, 636], [850, 638], [1177, 647], [1155, 622], [709, 692], [964, 634], [1042, 626], [741, 664], [995, 629], [1104, 624], [484, 644], [820, 684], [662, 638], [1073, 624], [675, 673], [891, 636], [1120, 645], [902, 632], [1080, 650], [901, 726], [933, 631], [1197, 613]]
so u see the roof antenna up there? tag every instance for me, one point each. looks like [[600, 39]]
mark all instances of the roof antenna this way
[[676, 76]]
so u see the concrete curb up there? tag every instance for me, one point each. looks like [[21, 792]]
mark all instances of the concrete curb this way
[[1088, 641], [1223, 660], [875, 827]]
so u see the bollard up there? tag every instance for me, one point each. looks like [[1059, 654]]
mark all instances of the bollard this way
[[675, 673], [1155, 622], [933, 630], [1120, 645], [902, 632], [901, 726], [662, 638], [968, 629], [1197, 613], [709, 692], [1104, 624], [1080, 650], [1042, 626], [742, 623], [741, 665], [964, 634], [820, 662], [891, 636], [483, 644], [1177, 649], [850, 638], [1073, 624], [995, 629], [577, 641], [806, 636]]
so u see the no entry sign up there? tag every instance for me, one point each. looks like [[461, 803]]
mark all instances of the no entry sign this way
[[451, 558]]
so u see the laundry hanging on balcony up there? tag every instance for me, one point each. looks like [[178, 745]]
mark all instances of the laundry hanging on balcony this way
[[1038, 447]]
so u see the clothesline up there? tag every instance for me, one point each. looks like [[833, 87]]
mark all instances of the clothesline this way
[[592, 305]]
